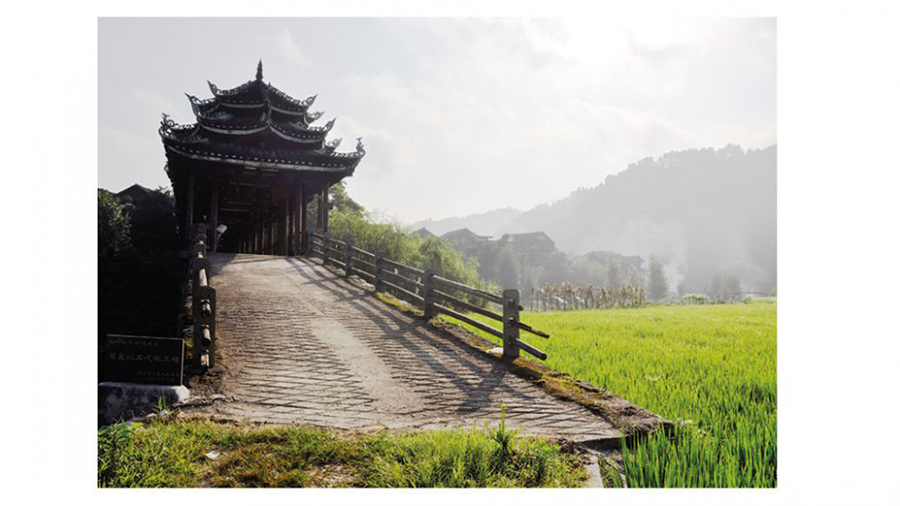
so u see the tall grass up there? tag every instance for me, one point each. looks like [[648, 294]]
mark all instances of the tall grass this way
[[173, 454], [712, 368]]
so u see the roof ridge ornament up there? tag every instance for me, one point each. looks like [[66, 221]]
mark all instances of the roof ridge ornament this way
[[330, 146], [212, 87], [259, 72], [359, 146], [330, 124]]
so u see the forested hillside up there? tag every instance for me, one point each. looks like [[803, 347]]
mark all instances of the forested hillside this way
[[707, 213]]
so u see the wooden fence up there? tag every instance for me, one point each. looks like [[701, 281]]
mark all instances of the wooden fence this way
[[430, 292], [203, 302]]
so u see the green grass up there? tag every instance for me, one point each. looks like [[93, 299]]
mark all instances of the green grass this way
[[172, 454], [711, 366]]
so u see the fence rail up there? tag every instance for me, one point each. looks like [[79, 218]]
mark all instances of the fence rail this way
[[431, 293], [203, 302]]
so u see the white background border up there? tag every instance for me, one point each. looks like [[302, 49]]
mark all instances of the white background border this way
[[837, 221]]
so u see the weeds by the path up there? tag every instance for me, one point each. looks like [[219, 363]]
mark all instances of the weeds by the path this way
[[174, 454]]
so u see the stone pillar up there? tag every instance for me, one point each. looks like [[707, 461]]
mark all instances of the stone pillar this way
[[213, 215]]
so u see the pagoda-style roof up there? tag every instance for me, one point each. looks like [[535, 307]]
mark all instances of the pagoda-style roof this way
[[257, 125]]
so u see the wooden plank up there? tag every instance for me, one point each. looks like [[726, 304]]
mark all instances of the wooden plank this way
[[528, 328], [531, 349], [388, 261], [342, 244], [463, 318], [335, 250], [403, 279], [365, 275], [404, 291], [468, 289], [470, 307], [358, 261], [363, 252]]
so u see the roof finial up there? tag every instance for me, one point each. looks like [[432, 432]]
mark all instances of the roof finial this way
[[259, 70]]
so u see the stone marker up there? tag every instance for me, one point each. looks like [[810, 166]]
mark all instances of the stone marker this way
[[145, 360]]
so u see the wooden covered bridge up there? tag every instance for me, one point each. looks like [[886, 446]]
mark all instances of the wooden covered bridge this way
[[250, 166], [290, 310]]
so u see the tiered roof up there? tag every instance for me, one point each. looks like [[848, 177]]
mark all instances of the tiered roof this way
[[256, 124]]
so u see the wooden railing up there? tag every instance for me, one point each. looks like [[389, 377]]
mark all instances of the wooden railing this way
[[431, 293], [203, 302]]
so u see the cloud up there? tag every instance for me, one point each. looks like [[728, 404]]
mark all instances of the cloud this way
[[283, 41]]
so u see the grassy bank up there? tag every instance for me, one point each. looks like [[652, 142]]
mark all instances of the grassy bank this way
[[174, 454], [711, 366]]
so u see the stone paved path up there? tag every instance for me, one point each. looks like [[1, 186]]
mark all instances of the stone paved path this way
[[302, 345]]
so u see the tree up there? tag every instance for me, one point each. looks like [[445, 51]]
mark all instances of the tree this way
[[658, 286], [341, 201], [613, 278], [732, 287], [154, 225], [113, 226]]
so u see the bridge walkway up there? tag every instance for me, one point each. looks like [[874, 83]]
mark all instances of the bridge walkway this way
[[302, 345]]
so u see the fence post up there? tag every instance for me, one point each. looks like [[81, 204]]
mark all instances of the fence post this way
[[203, 308], [428, 295], [348, 257], [325, 237], [510, 323], [377, 280]]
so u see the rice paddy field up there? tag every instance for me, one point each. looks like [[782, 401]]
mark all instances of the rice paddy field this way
[[711, 368]]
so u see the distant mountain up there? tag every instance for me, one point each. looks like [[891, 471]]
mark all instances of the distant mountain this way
[[705, 211], [490, 223]]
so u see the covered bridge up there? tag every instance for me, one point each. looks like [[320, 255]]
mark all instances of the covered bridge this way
[[253, 161]]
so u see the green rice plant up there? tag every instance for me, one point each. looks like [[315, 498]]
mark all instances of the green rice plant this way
[[710, 368]]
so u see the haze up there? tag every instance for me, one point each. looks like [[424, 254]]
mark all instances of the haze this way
[[458, 115]]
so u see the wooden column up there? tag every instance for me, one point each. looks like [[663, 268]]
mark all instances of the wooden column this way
[[325, 210], [272, 233], [213, 215], [304, 226], [283, 217], [189, 206], [292, 223], [319, 211]]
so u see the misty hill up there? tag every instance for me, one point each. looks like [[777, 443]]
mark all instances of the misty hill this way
[[489, 223], [706, 211]]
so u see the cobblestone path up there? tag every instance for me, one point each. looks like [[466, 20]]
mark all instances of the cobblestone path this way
[[302, 345]]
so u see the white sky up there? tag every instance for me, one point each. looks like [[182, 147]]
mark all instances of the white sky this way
[[458, 115]]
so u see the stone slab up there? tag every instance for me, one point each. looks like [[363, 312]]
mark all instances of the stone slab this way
[[123, 401]]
